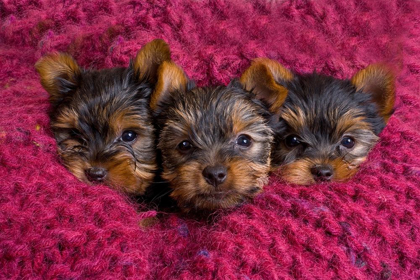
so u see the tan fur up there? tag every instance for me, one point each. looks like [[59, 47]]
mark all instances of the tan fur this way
[[263, 78], [130, 167], [67, 118], [170, 77], [53, 66], [124, 173], [349, 121], [150, 57], [343, 170], [299, 171], [191, 190], [296, 119], [378, 80]]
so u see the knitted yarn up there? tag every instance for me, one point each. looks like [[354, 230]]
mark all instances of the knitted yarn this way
[[54, 227]]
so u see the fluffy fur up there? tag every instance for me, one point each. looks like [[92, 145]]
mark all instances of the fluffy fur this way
[[101, 118], [325, 127], [215, 141], [52, 226]]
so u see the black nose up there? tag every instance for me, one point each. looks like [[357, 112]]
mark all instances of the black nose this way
[[323, 172], [96, 174], [215, 175]]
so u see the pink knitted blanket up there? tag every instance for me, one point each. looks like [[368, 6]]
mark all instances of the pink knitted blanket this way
[[54, 227]]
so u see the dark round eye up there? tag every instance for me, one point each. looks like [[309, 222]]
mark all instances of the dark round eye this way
[[75, 133], [292, 141], [185, 146], [347, 142], [128, 136], [243, 140]]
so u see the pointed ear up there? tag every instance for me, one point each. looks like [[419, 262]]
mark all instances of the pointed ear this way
[[265, 78], [378, 81], [149, 58], [170, 78], [59, 74]]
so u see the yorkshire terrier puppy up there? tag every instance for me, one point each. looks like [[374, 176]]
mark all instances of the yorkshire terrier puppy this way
[[101, 118], [326, 126], [215, 141]]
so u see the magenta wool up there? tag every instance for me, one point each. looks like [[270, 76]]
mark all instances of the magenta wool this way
[[54, 227]]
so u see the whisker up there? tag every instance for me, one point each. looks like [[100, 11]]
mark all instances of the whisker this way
[[130, 150]]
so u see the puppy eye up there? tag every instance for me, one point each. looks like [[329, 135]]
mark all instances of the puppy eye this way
[[185, 146], [292, 141], [243, 140], [348, 142], [128, 136], [78, 149], [75, 133]]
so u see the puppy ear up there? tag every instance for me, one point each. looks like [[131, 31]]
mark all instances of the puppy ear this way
[[170, 78], [265, 78], [59, 74], [149, 58], [378, 81]]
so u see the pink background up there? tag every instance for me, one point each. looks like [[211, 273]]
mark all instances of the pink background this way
[[53, 226]]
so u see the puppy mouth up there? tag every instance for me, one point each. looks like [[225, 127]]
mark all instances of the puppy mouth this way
[[219, 200], [99, 182], [226, 191], [219, 195], [226, 198]]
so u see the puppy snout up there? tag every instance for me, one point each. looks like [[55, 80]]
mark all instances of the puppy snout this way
[[96, 174], [323, 172], [215, 175]]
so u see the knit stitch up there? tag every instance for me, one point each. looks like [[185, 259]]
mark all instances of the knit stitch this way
[[54, 227]]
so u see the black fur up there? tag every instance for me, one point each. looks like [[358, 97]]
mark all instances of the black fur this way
[[206, 118], [324, 100]]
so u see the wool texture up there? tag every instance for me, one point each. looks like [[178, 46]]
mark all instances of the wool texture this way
[[54, 227]]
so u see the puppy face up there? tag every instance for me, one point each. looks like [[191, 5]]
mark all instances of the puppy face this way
[[326, 127], [215, 142], [101, 119]]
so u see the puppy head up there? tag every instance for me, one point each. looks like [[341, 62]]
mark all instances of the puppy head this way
[[101, 119], [215, 142], [326, 127]]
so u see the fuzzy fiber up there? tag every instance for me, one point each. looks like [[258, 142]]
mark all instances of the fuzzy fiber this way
[[54, 227]]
